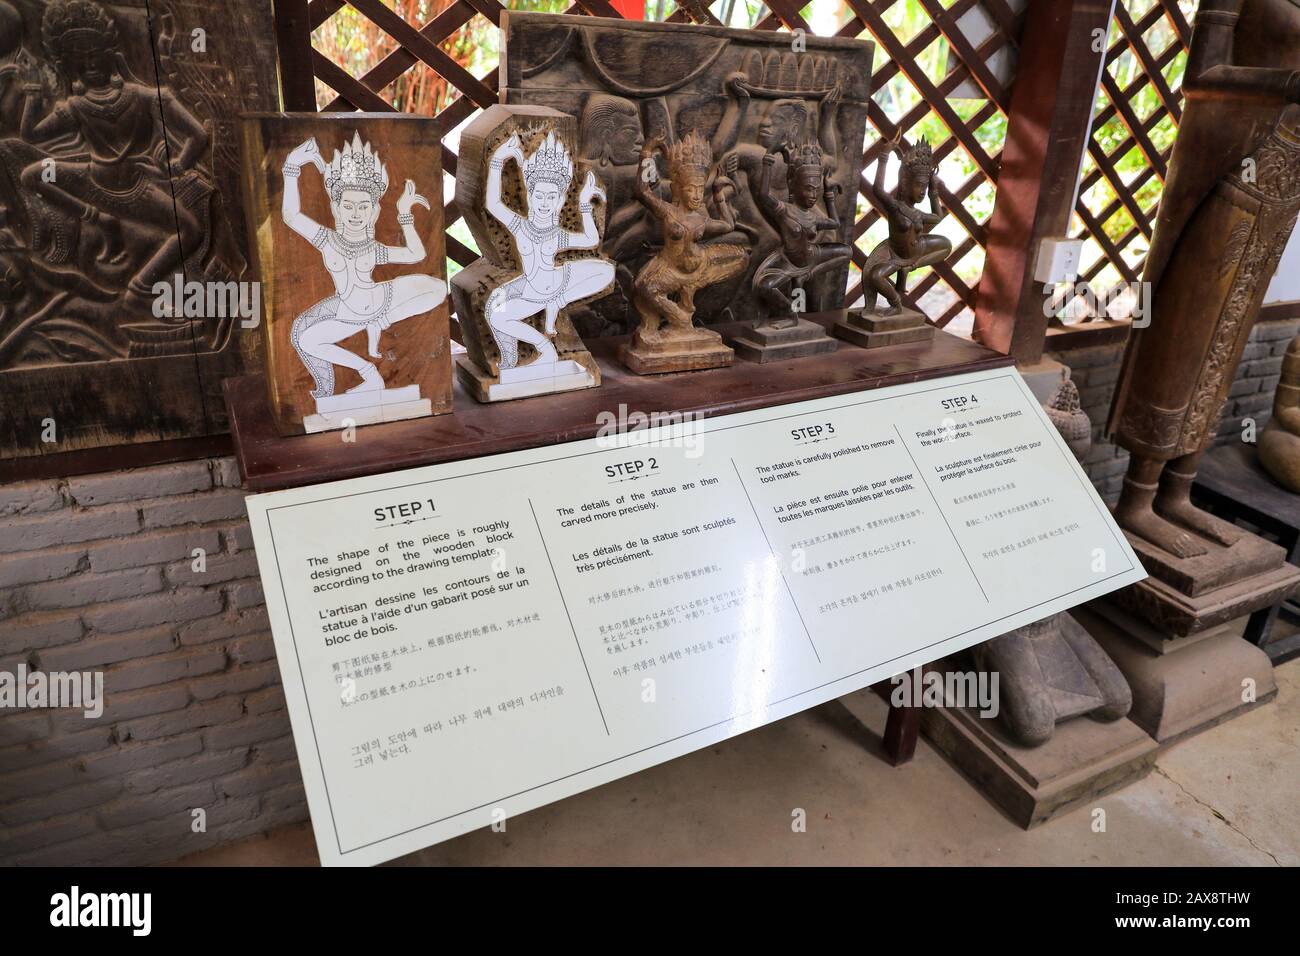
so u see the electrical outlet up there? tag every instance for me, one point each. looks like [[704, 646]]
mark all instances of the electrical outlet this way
[[1058, 260]]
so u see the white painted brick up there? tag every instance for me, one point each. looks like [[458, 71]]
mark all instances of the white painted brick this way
[[109, 649], [138, 483], [224, 504], [184, 604], [30, 567], [151, 547], [218, 569], [30, 497], [40, 629], [82, 590], [68, 526]]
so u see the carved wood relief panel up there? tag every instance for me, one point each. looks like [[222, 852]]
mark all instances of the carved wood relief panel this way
[[119, 179]]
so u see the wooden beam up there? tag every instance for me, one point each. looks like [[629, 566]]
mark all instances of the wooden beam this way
[[1048, 128], [293, 39]]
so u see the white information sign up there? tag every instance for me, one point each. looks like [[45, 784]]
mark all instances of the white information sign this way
[[464, 642]]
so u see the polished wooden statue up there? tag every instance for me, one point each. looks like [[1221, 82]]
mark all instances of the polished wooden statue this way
[[1227, 212], [812, 242], [1229, 207], [664, 291], [911, 245]]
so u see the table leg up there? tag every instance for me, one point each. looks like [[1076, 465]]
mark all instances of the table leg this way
[[901, 730]]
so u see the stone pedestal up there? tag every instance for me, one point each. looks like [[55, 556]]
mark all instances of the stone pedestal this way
[[523, 381], [1084, 760], [1181, 684], [871, 330], [678, 351], [762, 342], [367, 408]]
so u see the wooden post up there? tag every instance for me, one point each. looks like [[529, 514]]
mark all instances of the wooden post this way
[[293, 38], [1061, 54]]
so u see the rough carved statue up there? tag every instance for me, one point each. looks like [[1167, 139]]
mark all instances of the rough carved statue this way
[[536, 214]]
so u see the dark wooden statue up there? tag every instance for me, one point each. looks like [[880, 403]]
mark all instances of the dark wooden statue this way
[[785, 277], [666, 339], [1229, 207], [118, 171], [911, 245]]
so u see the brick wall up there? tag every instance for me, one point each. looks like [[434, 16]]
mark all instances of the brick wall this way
[[1096, 371], [97, 574]]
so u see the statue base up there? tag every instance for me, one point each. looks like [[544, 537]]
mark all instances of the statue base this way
[[763, 342], [524, 381], [679, 351], [1181, 685], [1185, 596], [1084, 760], [367, 408], [873, 330]]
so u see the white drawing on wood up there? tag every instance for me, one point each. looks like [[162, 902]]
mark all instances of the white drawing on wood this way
[[543, 286], [356, 180]]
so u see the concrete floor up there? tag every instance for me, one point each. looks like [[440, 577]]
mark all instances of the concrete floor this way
[[1225, 797]]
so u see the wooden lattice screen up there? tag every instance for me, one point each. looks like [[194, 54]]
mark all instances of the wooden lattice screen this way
[[1138, 108], [938, 82]]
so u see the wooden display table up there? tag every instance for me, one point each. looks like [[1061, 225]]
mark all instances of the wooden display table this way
[[1232, 485], [271, 462]]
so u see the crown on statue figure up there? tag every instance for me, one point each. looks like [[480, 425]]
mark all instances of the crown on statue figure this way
[[809, 155], [356, 167], [550, 163], [691, 155], [918, 157]]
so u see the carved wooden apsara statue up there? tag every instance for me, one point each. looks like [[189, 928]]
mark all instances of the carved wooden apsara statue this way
[[666, 339], [1279, 443], [911, 245], [1229, 207], [784, 279], [748, 93]]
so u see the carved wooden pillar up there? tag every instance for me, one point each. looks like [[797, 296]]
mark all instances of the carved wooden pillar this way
[[1050, 121]]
